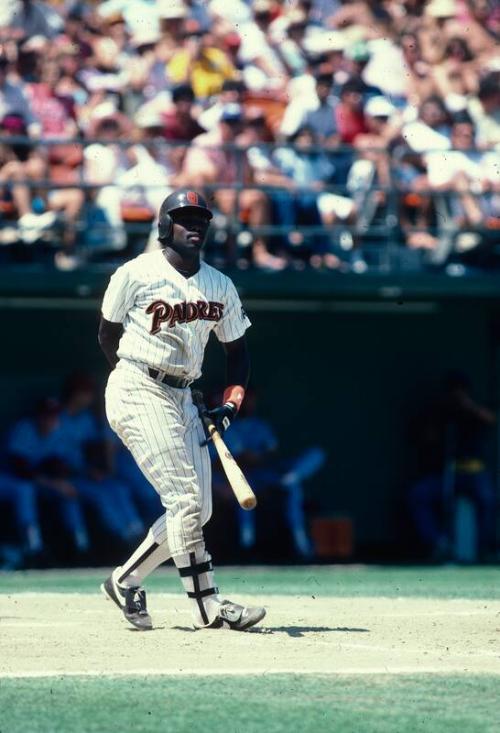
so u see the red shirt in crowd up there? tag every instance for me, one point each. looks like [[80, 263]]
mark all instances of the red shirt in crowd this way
[[350, 123]]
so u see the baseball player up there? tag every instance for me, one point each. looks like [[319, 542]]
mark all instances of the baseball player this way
[[157, 314]]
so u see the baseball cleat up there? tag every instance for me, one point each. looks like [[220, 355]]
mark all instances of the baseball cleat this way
[[131, 601], [238, 618]]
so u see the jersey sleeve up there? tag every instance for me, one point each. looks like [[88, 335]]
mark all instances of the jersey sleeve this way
[[234, 321], [119, 296]]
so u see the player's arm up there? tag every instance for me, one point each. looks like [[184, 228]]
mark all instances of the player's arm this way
[[118, 299], [109, 338], [237, 363], [237, 376]]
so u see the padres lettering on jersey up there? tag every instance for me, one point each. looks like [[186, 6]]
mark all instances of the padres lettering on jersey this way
[[167, 318], [183, 313]]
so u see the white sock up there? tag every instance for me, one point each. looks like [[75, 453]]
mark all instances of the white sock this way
[[151, 553], [197, 577]]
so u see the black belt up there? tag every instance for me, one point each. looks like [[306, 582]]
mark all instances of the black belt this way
[[178, 382]]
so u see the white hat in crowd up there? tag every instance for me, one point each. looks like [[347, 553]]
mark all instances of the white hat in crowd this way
[[441, 8], [145, 36], [325, 42], [171, 9], [379, 107]]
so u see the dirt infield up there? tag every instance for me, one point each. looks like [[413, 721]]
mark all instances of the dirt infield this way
[[58, 634]]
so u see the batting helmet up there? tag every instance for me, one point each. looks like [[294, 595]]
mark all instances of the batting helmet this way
[[182, 199]]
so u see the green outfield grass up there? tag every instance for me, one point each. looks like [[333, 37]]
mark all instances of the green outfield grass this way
[[381, 704], [340, 581]]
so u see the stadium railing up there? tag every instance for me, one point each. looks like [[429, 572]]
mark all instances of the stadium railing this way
[[376, 236]]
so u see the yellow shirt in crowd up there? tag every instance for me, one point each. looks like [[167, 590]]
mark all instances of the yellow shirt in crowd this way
[[205, 74]]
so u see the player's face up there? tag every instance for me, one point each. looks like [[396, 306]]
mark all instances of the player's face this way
[[190, 231]]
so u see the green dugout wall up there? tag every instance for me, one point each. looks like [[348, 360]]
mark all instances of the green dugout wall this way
[[344, 369]]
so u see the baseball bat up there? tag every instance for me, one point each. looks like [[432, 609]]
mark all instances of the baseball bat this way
[[240, 486]]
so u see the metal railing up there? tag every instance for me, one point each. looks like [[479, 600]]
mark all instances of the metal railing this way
[[377, 229]]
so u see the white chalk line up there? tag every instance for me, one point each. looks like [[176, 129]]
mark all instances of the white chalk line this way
[[264, 672], [407, 650]]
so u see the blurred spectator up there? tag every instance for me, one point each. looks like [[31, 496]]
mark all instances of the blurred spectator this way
[[349, 115], [420, 79], [179, 123], [437, 28], [298, 176], [470, 176], [21, 494], [431, 130], [200, 64], [357, 57], [22, 167], [76, 32], [54, 111], [104, 162], [322, 121], [172, 16], [24, 173], [478, 21], [207, 163], [450, 436], [86, 455], [199, 13], [387, 70], [38, 453], [252, 441], [106, 72], [13, 99], [156, 169], [49, 449], [304, 97], [485, 110], [263, 67], [57, 118], [137, 15], [290, 46], [456, 75], [382, 127], [232, 92], [34, 18]]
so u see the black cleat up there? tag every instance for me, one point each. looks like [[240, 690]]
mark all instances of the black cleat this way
[[131, 601], [238, 618]]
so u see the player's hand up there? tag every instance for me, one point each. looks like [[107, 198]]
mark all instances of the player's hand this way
[[223, 416]]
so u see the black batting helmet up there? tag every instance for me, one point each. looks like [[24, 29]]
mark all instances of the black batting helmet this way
[[184, 198]]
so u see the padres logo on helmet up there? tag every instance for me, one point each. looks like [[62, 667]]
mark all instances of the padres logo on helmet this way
[[182, 199]]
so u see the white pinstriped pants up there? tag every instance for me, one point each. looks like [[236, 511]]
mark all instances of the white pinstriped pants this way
[[161, 428]]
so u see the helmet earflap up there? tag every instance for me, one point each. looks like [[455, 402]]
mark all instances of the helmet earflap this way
[[165, 228]]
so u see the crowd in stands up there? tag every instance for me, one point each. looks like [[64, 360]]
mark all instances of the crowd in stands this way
[[321, 131]]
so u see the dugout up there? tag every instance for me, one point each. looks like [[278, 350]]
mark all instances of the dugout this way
[[338, 360]]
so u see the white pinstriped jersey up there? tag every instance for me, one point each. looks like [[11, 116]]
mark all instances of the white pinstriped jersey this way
[[166, 317]]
